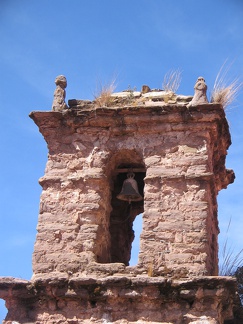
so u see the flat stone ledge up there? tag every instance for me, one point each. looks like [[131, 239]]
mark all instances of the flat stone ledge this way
[[113, 118], [166, 108], [214, 298], [10, 286]]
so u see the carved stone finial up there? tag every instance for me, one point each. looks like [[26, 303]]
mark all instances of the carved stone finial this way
[[145, 89], [60, 94], [200, 94]]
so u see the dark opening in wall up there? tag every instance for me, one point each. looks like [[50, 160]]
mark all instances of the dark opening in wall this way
[[123, 214]]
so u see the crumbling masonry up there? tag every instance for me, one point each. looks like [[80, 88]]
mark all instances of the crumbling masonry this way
[[176, 147]]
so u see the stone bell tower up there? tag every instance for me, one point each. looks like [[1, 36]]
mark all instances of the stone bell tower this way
[[175, 147], [177, 154]]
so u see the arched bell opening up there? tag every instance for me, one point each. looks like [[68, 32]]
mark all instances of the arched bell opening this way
[[124, 210]]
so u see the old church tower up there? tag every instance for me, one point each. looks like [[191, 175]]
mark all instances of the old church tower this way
[[148, 152]]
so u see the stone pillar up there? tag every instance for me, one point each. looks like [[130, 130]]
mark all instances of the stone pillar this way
[[73, 225]]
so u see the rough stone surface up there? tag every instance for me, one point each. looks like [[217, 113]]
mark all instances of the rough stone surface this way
[[130, 98], [120, 299]]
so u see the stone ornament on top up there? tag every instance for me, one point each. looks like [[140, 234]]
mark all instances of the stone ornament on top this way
[[199, 98], [200, 94], [59, 103]]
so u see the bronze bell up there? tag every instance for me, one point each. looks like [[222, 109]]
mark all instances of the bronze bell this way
[[129, 190]]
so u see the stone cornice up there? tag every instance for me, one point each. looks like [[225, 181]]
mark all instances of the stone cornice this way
[[138, 115]]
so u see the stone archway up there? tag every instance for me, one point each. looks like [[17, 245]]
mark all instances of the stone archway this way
[[124, 213]]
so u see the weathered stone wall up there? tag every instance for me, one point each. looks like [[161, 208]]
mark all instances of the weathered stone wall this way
[[117, 299], [182, 151], [73, 216]]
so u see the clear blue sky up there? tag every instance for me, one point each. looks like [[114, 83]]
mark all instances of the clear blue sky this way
[[137, 41]]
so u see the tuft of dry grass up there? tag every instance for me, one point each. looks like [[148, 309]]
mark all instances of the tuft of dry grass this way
[[230, 260], [225, 92], [150, 270], [103, 93], [172, 80]]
